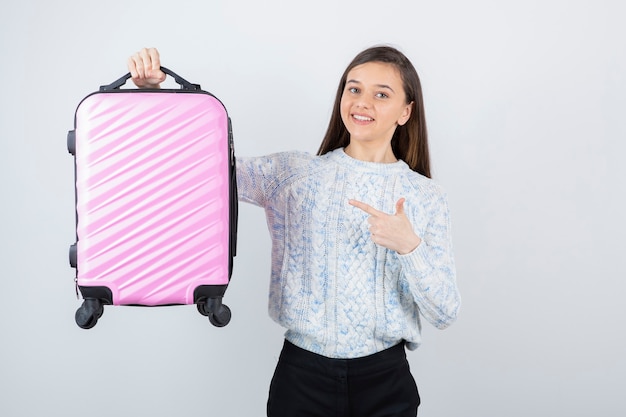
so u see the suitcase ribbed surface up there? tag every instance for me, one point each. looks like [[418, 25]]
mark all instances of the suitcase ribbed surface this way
[[152, 195]]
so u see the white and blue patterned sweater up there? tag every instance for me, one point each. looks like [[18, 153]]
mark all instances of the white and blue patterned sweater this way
[[336, 292]]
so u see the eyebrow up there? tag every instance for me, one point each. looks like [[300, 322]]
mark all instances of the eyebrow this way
[[377, 85]]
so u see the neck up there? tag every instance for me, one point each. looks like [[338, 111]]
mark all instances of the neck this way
[[371, 153]]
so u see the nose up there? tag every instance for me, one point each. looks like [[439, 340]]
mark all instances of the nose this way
[[363, 102]]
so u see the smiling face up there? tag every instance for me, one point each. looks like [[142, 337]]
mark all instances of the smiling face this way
[[373, 103]]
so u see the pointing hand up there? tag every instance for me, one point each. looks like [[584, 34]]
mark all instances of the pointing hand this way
[[392, 231]]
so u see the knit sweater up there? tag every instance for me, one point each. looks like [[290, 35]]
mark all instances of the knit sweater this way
[[336, 292]]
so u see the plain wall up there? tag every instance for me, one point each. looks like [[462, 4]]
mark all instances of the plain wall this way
[[524, 102]]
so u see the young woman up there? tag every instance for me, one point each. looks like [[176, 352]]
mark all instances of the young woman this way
[[361, 245]]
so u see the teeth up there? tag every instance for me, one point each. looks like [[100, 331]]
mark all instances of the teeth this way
[[362, 118]]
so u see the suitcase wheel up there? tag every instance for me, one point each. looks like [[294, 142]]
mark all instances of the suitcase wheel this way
[[88, 313], [219, 314], [221, 318]]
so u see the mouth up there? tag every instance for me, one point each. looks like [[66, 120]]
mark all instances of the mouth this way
[[362, 118]]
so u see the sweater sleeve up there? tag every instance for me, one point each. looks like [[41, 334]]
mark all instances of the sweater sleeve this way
[[255, 177], [260, 177], [429, 271]]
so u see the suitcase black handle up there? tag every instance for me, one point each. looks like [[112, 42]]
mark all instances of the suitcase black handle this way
[[184, 84]]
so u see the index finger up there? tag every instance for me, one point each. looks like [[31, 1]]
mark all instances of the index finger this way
[[365, 207]]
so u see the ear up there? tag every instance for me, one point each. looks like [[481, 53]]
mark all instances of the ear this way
[[406, 114]]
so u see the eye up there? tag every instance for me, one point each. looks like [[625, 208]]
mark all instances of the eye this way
[[353, 90], [382, 95]]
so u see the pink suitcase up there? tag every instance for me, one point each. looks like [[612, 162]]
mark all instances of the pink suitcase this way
[[156, 199]]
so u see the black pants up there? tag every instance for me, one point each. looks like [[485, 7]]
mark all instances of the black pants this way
[[307, 384]]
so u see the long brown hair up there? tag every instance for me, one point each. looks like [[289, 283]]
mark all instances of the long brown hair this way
[[409, 141]]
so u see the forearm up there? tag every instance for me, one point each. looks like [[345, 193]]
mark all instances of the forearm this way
[[430, 276], [249, 185]]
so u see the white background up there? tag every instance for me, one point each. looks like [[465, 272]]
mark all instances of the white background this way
[[525, 103]]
